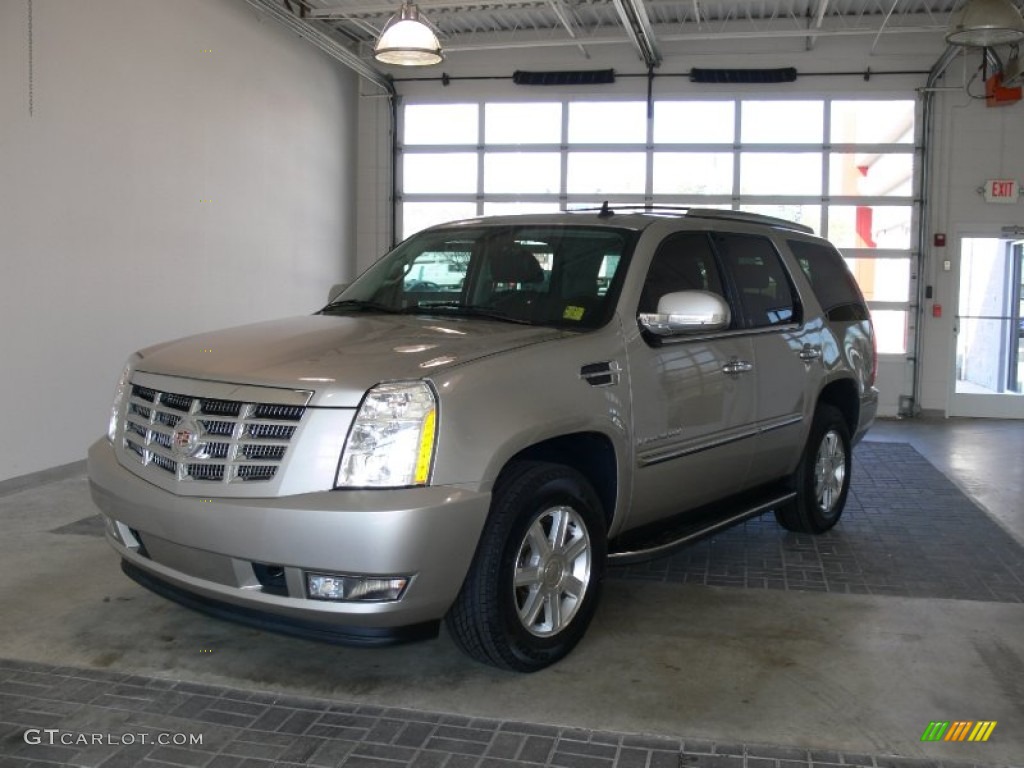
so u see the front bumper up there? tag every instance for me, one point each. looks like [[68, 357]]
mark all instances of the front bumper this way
[[214, 553]]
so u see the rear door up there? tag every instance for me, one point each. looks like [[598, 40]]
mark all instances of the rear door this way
[[786, 349]]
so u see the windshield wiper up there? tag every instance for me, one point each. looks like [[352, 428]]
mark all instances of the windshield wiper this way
[[470, 310], [373, 306]]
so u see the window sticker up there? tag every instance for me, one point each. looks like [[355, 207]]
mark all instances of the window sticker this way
[[573, 313]]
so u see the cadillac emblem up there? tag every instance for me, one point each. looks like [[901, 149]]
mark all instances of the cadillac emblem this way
[[185, 439]]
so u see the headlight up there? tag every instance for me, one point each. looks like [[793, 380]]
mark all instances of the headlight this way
[[119, 392], [391, 442]]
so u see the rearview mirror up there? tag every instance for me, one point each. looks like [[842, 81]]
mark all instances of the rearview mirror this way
[[687, 312]]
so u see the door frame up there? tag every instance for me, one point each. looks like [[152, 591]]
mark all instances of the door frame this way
[[1000, 406]]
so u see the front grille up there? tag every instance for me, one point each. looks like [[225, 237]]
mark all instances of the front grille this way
[[230, 442]]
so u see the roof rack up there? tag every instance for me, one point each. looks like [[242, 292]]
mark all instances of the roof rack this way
[[607, 210], [753, 218]]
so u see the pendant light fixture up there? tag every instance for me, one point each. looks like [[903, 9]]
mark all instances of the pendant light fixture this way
[[407, 40], [984, 23]]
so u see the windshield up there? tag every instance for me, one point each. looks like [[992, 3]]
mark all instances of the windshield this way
[[564, 276]]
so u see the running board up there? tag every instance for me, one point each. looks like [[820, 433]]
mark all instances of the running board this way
[[695, 531]]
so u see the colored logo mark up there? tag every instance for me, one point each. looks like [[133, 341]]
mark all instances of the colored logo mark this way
[[959, 730]]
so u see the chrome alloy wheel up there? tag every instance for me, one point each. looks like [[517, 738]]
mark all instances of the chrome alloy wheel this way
[[829, 471], [552, 571]]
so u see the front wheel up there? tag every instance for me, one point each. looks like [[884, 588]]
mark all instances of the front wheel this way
[[534, 583], [822, 479]]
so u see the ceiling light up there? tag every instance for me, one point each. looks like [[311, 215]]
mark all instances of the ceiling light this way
[[984, 23], [407, 41]]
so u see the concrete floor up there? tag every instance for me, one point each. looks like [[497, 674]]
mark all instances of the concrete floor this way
[[854, 673]]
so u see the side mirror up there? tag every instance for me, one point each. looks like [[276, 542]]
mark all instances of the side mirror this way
[[336, 290], [687, 312]]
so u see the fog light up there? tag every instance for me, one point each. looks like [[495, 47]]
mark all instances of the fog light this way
[[113, 528], [330, 586]]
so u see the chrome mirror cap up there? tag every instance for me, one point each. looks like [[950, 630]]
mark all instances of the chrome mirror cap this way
[[687, 312]]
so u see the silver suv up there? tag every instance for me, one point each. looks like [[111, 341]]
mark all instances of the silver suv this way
[[485, 419]]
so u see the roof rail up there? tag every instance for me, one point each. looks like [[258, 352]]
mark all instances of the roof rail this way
[[606, 210], [753, 218]]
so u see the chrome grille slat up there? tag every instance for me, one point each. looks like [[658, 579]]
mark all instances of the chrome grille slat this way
[[266, 452], [218, 428], [218, 450], [142, 411], [169, 419], [252, 473], [175, 401], [144, 393], [273, 431], [280, 412], [220, 407], [166, 464], [238, 441]]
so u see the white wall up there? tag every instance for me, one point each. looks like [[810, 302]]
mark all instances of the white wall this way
[[973, 143], [107, 241]]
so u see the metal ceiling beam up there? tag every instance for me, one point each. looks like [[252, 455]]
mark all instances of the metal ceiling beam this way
[[517, 41], [638, 27], [386, 9], [819, 18], [562, 13], [325, 43], [885, 23]]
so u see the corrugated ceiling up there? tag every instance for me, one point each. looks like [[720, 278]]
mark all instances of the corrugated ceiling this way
[[502, 24]]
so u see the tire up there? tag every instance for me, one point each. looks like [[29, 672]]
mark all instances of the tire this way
[[822, 479], [536, 577]]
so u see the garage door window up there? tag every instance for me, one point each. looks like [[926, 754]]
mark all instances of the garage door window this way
[[843, 167]]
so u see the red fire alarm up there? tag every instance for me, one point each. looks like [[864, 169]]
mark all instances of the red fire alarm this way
[[940, 239], [936, 310]]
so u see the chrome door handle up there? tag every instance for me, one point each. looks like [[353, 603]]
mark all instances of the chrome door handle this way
[[809, 354], [734, 367]]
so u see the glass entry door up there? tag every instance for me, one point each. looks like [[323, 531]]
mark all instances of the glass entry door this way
[[989, 359]]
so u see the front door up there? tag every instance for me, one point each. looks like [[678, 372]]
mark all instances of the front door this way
[[694, 427]]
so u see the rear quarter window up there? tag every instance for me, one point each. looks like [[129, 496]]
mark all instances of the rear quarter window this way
[[831, 280]]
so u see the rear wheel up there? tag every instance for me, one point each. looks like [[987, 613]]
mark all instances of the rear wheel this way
[[534, 583], [822, 479]]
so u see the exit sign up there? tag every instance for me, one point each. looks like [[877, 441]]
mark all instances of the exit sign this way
[[1001, 190]]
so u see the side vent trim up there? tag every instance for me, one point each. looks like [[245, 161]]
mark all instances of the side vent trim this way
[[604, 374]]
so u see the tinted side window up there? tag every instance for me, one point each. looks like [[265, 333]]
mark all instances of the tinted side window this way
[[762, 285], [683, 262], [831, 280]]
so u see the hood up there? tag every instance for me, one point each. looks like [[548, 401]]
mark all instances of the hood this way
[[338, 357]]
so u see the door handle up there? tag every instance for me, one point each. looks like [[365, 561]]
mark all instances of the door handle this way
[[809, 354], [735, 367]]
